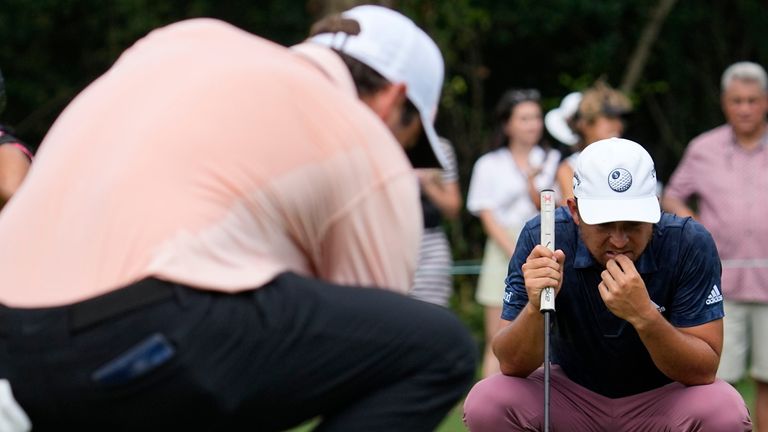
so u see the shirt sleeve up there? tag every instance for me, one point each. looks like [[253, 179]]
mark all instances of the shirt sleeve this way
[[698, 298], [10, 140], [480, 195], [515, 295], [451, 171], [685, 180]]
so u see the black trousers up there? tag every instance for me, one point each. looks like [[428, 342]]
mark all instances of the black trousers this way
[[159, 356]]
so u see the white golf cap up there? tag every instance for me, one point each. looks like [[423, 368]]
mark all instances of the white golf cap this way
[[392, 45], [556, 120], [615, 180]]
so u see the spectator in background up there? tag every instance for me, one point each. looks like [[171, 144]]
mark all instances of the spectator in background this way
[[724, 172], [440, 198], [583, 118], [504, 194], [15, 157]]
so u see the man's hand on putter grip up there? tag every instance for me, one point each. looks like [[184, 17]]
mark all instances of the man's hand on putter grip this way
[[543, 268], [623, 290]]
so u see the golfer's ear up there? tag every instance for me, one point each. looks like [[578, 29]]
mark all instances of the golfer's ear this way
[[387, 100], [574, 209]]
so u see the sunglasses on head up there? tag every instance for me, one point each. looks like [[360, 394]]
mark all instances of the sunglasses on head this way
[[615, 111], [523, 95]]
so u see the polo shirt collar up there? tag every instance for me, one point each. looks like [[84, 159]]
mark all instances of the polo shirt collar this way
[[760, 146]]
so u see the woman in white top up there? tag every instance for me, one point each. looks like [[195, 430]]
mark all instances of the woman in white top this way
[[504, 194]]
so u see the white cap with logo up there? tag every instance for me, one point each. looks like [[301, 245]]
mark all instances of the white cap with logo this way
[[392, 45], [615, 180]]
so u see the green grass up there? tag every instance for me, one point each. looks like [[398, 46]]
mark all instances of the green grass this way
[[452, 423], [747, 389]]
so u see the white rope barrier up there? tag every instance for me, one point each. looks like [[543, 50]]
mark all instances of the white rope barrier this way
[[472, 267], [746, 263]]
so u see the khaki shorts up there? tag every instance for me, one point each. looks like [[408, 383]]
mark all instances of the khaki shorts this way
[[745, 326], [490, 284]]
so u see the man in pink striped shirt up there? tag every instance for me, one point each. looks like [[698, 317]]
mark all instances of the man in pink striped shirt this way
[[725, 170]]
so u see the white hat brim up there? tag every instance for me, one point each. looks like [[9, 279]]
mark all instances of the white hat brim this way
[[557, 126], [434, 140], [597, 211]]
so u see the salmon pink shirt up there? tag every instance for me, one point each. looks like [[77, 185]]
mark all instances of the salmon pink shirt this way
[[213, 158]]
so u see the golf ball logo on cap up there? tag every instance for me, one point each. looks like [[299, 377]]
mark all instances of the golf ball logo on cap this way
[[620, 180]]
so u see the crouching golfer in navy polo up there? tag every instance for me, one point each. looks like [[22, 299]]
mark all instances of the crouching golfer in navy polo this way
[[637, 332]]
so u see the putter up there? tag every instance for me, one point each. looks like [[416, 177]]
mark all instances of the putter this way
[[547, 300]]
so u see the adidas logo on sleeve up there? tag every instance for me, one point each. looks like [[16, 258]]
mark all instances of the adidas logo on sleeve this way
[[507, 297], [715, 296]]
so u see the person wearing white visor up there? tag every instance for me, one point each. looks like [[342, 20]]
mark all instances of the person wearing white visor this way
[[556, 119], [583, 118], [638, 325]]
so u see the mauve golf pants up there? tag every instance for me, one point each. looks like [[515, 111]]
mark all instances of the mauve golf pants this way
[[504, 403]]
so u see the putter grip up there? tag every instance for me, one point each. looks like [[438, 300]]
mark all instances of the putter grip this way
[[547, 300]]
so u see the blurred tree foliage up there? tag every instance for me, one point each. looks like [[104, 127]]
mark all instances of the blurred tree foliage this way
[[51, 49]]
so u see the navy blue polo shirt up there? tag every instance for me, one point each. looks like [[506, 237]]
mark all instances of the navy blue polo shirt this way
[[596, 349]]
